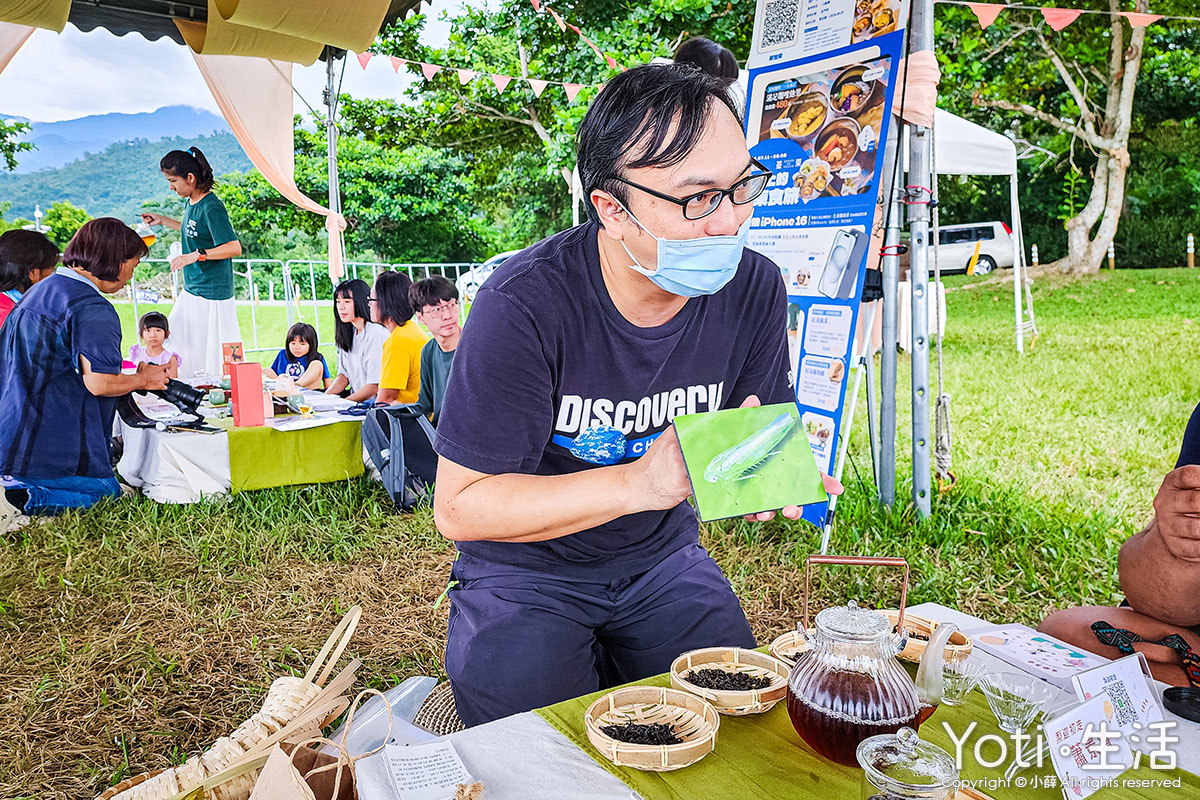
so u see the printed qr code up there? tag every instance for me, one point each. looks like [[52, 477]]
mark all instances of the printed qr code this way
[[780, 20], [1122, 705]]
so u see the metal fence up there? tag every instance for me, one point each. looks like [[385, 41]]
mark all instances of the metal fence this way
[[307, 293]]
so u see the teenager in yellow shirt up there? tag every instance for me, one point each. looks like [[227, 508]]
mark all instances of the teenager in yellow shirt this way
[[400, 374]]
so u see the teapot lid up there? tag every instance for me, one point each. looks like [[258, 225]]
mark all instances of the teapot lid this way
[[903, 762], [851, 622]]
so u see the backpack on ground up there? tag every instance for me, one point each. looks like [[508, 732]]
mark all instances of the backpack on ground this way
[[399, 441]]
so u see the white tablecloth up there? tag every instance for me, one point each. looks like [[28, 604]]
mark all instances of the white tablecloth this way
[[523, 758]]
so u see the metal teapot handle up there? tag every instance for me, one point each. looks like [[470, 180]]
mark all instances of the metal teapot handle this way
[[859, 561]]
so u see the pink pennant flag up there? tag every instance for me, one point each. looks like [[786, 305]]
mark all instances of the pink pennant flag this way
[[363, 58], [612, 63], [397, 63], [562, 26], [572, 89], [1137, 20], [537, 6], [465, 76], [1059, 18], [986, 12], [538, 86], [501, 82], [429, 70]]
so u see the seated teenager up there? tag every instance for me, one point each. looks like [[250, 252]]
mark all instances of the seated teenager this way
[[359, 342], [60, 370], [436, 302], [574, 573], [300, 359], [1159, 571], [26, 257], [400, 370]]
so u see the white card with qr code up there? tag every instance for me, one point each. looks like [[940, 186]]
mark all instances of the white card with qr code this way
[[1127, 683]]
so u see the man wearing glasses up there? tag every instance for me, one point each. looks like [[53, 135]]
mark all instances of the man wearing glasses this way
[[436, 302], [560, 479]]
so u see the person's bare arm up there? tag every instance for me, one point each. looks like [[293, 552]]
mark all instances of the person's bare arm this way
[[228, 250], [387, 395], [162, 219], [1160, 567], [339, 383], [311, 379], [172, 366], [365, 393], [148, 376], [470, 505]]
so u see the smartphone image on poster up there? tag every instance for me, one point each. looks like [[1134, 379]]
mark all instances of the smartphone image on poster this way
[[841, 267]]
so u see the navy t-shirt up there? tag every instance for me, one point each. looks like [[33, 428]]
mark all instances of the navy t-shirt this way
[[1189, 453], [294, 369], [545, 356], [51, 426]]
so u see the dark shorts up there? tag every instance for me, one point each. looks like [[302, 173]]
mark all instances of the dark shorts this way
[[520, 639]]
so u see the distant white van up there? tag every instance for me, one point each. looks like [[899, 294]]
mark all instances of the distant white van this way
[[956, 246]]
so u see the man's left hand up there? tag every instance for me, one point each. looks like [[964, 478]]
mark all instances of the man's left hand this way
[[832, 485]]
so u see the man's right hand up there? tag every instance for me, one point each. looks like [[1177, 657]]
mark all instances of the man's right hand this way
[[153, 219], [1177, 513], [155, 375], [659, 478]]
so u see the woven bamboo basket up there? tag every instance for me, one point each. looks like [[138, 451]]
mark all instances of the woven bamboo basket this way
[[733, 659], [694, 721], [920, 629], [790, 645], [294, 709]]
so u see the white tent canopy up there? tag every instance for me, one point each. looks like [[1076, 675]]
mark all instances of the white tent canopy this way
[[960, 147]]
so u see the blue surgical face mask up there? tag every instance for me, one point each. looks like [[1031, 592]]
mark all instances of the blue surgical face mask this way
[[693, 267]]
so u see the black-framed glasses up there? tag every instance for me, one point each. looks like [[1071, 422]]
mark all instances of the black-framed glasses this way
[[701, 204]]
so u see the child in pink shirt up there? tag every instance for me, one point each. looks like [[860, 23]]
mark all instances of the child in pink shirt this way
[[154, 329]]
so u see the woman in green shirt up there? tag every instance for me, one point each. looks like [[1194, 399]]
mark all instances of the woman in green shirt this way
[[204, 316]]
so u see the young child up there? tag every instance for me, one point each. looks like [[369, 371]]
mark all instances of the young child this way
[[153, 329], [300, 359]]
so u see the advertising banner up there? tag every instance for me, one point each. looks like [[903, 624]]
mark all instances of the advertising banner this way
[[821, 85]]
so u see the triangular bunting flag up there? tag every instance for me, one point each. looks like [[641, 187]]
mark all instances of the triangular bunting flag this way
[[429, 70], [537, 6], [572, 89], [1059, 18], [501, 82], [465, 76], [363, 58], [986, 12], [539, 86], [562, 26], [397, 63], [1137, 20]]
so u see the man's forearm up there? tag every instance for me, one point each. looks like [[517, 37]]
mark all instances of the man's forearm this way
[[1158, 584], [535, 508], [103, 385]]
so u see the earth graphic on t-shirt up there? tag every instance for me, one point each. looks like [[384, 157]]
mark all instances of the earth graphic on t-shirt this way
[[602, 444]]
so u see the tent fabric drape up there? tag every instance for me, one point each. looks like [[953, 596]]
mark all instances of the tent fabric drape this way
[[11, 38], [219, 38], [48, 14], [348, 24], [255, 97], [921, 74]]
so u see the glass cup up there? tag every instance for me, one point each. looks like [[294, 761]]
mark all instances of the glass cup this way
[[1014, 698], [959, 679]]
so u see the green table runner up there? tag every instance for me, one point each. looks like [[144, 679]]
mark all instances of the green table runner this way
[[761, 756], [262, 457]]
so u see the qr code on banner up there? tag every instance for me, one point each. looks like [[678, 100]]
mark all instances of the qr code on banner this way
[[780, 18], [1122, 705]]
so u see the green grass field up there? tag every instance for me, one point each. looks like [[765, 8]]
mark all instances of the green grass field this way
[[136, 633]]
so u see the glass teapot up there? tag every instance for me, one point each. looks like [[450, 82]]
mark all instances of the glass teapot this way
[[849, 684]]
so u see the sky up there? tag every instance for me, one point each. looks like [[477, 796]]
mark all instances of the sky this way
[[74, 74]]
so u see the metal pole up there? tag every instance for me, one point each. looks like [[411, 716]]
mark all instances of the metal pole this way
[[920, 179], [331, 140], [889, 338]]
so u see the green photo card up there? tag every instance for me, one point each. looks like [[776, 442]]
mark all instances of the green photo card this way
[[747, 460]]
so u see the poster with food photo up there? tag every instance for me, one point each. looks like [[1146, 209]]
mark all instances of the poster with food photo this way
[[825, 129]]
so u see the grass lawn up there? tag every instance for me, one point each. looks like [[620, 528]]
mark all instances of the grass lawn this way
[[137, 633]]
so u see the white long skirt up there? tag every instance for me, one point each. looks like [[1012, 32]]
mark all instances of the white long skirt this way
[[198, 329]]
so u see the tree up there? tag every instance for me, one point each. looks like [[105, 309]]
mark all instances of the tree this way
[[1079, 82], [63, 220], [10, 144]]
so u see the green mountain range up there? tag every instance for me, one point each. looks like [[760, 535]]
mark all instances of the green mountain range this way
[[117, 180]]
